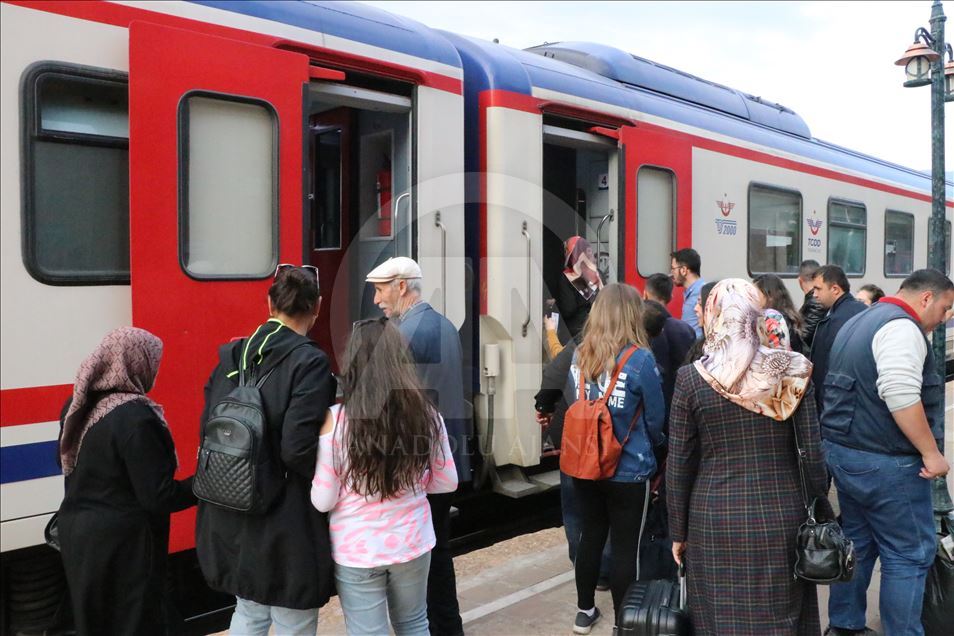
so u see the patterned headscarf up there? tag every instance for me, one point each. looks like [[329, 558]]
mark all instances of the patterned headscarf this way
[[580, 268], [122, 368], [737, 360]]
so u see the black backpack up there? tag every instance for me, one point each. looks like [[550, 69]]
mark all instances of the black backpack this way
[[236, 467]]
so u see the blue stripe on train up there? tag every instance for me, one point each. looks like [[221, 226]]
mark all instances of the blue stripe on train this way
[[28, 461]]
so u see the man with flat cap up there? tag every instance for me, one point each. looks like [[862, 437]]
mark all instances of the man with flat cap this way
[[435, 347]]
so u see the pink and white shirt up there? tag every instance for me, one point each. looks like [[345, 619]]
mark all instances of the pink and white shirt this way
[[368, 532]]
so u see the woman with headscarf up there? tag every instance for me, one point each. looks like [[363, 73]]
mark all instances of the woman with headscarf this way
[[578, 286], [119, 461], [732, 477]]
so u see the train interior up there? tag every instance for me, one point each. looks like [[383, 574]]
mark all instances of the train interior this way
[[580, 198], [359, 207]]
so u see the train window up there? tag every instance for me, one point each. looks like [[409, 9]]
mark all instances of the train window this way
[[75, 203], [847, 235], [326, 204], [655, 214], [898, 243], [775, 239], [228, 175]]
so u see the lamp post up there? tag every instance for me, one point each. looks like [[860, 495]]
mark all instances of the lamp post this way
[[924, 64]]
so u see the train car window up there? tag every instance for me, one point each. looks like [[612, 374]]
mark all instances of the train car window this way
[[228, 176], [847, 235], [775, 238], [655, 215], [75, 203], [327, 202], [898, 243]]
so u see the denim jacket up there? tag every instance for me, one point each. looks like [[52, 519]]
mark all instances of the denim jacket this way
[[638, 382]]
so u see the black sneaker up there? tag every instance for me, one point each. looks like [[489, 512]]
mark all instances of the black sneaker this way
[[841, 631], [584, 623]]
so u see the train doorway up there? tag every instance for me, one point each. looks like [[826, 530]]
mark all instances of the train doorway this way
[[580, 198], [359, 210]]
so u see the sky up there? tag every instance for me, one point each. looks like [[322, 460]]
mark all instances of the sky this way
[[830, 62]]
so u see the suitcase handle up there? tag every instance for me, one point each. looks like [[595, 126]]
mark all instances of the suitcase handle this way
[[681, 572]]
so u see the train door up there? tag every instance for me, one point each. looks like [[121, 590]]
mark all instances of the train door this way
[[362, 211], [658, 199], [215, 157], [581, 197]]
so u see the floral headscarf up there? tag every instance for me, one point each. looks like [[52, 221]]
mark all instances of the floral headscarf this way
[[738, 361], [121, 369], [580, 268]]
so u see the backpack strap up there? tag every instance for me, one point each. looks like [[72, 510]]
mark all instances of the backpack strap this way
[[619, 369], [259, 382], [639, 411]]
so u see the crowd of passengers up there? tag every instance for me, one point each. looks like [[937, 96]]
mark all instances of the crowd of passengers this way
[[704, 407]]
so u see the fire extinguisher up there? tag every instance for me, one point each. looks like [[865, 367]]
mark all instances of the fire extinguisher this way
[[382, 189]]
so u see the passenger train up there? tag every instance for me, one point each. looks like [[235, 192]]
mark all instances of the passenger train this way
[[160, 159]]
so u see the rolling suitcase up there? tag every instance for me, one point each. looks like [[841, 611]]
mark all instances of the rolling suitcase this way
[[655, 608]]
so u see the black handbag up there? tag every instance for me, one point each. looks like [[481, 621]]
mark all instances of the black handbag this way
[[823, 554]]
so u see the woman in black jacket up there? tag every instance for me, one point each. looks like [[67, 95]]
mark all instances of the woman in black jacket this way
[[578, 286], [119, 462], [278, 563]]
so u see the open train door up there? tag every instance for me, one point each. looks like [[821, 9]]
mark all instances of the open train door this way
[[215, 177], [658, 175]]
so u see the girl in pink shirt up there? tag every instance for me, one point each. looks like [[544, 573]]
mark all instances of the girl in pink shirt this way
[[380, 453]]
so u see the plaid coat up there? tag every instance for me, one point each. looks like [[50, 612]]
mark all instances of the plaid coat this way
[[734, 497]]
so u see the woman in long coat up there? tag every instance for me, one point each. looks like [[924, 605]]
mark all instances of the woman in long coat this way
[[278, 564], [735, 500], [119, 461]]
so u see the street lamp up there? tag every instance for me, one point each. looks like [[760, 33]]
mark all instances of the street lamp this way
[[926, 53]]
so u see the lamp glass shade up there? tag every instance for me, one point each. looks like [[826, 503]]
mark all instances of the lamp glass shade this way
[[949, 82], [917, 71]]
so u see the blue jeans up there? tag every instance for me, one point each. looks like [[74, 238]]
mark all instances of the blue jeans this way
[[573, 524], [369, 595], [886, 511], [254, 619]]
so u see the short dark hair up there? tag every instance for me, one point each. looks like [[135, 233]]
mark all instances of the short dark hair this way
[[704, 292], [654, 318], [876, 292], [833, 275], [806, 271], [294, 292], [660, 286], [689, 258], [927, 280]]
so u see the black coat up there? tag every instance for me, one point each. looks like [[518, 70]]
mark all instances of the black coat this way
[[281, 557], [550, 398], [829, 326], [812, 311], [574, 309], [670, 348], [114, 523]]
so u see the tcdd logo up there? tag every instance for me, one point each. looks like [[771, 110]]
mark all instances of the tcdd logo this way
[[814, 226]]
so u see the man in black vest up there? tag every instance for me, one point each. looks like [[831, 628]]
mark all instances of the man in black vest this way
[[831, 289], [881, 430]]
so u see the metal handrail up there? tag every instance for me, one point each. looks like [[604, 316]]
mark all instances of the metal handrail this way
[[443, 229], [599, 235], [526, 323], [397, 210]]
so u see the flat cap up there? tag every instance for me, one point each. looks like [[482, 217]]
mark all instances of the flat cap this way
[[397, 268]]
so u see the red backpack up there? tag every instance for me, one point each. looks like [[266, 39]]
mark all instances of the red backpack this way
[[590, 449]]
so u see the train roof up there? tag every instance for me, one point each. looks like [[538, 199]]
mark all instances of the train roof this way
[[667, 93], [352, 21]]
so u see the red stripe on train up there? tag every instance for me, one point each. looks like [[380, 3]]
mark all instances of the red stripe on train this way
[[33, 405]]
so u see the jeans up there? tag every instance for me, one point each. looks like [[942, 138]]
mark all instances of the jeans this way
[[608, 506], [573, 524], [443, 611], [886, 511], [370, 595], [254, 619]]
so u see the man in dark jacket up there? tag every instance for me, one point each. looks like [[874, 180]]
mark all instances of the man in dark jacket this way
[[812, 312], [435, 348], [669, 338], [832, 291]]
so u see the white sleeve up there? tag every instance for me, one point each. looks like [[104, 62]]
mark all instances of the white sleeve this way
[[899, 351]]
